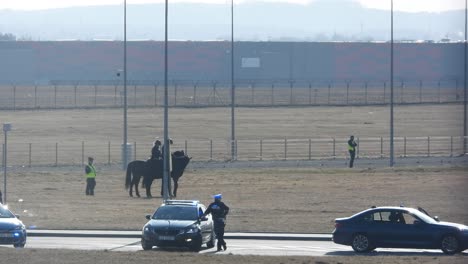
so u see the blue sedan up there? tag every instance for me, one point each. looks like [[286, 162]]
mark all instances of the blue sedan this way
[[12, 230], [399, 227]]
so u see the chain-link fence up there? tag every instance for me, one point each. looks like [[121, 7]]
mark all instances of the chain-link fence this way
[[75, 153], [102, 94]]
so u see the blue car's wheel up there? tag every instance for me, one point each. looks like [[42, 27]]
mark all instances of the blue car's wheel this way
[[145, 244], [361, 243], [450, 245]]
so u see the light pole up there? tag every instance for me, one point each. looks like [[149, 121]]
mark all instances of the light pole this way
[[464, 74], [391, 89], [166, 127], [233, 91], [6, 128], [125, 151]]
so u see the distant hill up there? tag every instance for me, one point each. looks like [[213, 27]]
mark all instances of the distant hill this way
[[324, 20]]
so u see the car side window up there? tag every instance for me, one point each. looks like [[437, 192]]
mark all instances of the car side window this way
[[381, 217], [410, 219]]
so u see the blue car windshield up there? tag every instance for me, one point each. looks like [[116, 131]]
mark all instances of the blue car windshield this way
[[176, 213], [5, 213]]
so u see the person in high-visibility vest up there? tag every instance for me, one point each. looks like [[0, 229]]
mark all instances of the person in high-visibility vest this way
[[352, 150], [90, 171]]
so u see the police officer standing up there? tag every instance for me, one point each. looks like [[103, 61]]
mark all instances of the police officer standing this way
[[219, 212], [352, 150], [90, 171]]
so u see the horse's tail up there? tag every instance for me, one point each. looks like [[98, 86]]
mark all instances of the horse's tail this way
[[128, 178]]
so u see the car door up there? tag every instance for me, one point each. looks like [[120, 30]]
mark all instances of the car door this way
[[382, 232], [414, 233], [205, 226]]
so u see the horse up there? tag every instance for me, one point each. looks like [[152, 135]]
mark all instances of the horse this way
[[153, 169]]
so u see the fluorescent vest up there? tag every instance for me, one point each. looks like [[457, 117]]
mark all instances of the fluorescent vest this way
[[92, 173], [351, 148]]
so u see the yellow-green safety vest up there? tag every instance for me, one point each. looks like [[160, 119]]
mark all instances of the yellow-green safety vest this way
[[92, 173], [351, 148]]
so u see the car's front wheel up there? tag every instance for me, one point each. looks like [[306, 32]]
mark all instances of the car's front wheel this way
[[19, 245], [146, 245], [361, 243], [450, 244]]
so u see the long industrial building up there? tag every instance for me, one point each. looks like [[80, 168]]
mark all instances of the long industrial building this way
[[44, 62]]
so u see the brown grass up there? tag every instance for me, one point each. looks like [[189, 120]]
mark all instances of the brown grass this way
[[307, 199]]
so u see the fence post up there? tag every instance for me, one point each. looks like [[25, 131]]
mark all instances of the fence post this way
[[451, 146], [347, 93], [272, 94], [155, 95], [310, 93], [214, 93], [56, 154], [381, 147], [185, 147], [95, 95], [334, 148], [30, 154], [14, 97], [291, 84], [252, 85], [315, 96], [35, 96], [82, 152], [310, 149], [195, 94], [175, 94], [365, 91], [261, 149], [135, 95], [108, 153], [285, 149], [404, 147], [115, 95], [135, 150], [438, 90], [55, 96], [357, 149], [329, 88], [211, 149], [420, 91], [401, 91], [428, 146], [384, 91]]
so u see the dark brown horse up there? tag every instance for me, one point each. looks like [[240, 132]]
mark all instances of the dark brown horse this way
[[153, 169]]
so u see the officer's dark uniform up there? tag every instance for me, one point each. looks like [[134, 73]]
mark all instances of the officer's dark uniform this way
[[352, 150], [156, 152], [219, 212]]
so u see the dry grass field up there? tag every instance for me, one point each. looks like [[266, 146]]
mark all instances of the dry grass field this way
[[48, 256], [308, 199]]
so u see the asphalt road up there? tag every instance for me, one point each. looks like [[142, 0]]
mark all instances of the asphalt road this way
[[235, 246]]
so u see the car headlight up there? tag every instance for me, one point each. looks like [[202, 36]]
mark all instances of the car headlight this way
[[20, 227], [191, 229], [147, 228]]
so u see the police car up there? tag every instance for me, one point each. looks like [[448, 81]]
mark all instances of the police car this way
[[12, 230], [177, 223]]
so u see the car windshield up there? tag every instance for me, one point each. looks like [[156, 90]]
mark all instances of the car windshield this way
[[176, 213], [424, 217], [5, 213]]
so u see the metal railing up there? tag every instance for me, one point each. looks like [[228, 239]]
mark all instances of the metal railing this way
[[75, 153], [107, 94]]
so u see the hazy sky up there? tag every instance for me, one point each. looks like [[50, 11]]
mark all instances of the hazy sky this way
[[404, 5]]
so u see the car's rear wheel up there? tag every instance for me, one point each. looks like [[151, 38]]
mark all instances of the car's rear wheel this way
[[211, 243], [361, 243], [146, 245], [450, 245]]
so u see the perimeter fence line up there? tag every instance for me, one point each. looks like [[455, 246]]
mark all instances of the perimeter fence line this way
[[76, 153], [254, 93]]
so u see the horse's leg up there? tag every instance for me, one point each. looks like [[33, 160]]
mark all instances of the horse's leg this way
[[176, 186], [137, 192], [148, 188]]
